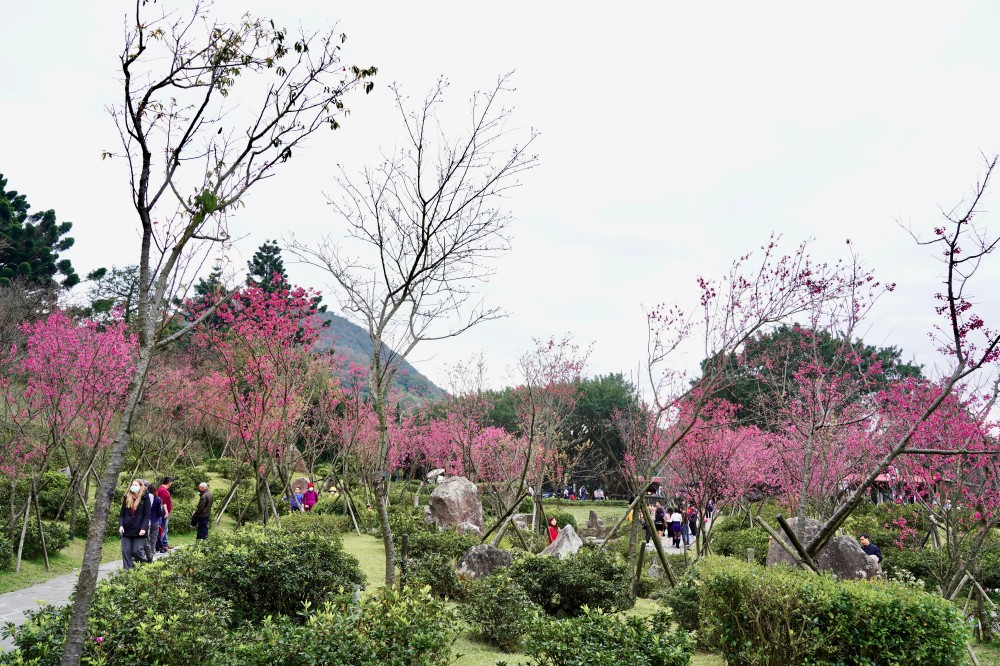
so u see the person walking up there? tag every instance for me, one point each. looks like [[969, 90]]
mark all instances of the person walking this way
[[149, 547], [203, 511], [133, 521], [163, 492]]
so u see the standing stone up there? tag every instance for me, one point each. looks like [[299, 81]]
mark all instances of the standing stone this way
[[523, 521], [566, 544], [453, 502], [482, 560], [842, 554], [593, 522], [469, 529]]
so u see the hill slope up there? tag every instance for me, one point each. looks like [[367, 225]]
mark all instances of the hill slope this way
[[352, 342]]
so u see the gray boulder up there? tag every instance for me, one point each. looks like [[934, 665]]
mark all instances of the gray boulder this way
[[453, 502], [842, 555], [523, 521], [482, 560], [566, 544], [655, 571], [434, 475], [469, 529]]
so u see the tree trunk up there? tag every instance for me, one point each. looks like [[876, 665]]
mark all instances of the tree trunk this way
[[76, 632], [383, 518]]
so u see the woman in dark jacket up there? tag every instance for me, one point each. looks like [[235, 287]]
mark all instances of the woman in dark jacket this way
[[133, 521]]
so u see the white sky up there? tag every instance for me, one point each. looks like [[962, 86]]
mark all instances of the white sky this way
[[673, 139]]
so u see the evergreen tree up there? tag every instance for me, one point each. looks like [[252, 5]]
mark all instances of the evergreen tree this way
[[30, 243], [265, 265]]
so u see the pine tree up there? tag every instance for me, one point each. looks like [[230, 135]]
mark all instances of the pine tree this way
[[265, 265], [30, 243]]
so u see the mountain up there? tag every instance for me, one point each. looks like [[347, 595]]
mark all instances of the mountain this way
[[352, 342]]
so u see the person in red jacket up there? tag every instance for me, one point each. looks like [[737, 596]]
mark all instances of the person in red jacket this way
[[163, 492], [553, 529], [309, 498]]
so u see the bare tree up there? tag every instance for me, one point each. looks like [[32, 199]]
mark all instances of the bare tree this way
[[194, 148], [429, 218]]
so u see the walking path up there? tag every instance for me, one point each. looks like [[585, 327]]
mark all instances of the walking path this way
[[14, 606]]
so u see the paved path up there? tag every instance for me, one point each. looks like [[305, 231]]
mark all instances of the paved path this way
[[14, 605]]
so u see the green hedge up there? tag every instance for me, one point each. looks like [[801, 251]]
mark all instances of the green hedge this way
[[405, 627], [778, 615], [592, 577], [734, 543], [599, 639], [267, 571], [499, 610]]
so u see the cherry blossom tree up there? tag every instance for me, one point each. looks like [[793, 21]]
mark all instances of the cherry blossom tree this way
[[195, 144], [428, 219], [262, 347]]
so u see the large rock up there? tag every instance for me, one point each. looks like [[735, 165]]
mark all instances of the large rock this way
[[482, 560], [566, 544], [453, 502], [469, 529], [842, 554], [434, 475], [523, 521]]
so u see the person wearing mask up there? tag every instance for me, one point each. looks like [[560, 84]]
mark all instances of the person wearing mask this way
[[309, 498], [163, 492], [133, 521], [203, 512]]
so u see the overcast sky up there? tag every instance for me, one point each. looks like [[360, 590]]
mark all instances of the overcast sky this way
[[673, 139]]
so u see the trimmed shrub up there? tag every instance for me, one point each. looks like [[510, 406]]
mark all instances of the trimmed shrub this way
[[180, 517], [734, 543], [7, 557], [438, 572], [600, 639], [185, 485], [683, 601], [57, 537], [407, 627], [267, 571], [592, 577], [327, 526], [777, 615], [499, 611], [448, 543], [562, 517], [152, 614], [52, 489], [328, 504]]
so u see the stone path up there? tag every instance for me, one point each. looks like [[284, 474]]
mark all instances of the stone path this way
[[15, 605]]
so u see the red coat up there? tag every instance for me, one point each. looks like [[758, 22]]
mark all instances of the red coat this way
[[553, 533]]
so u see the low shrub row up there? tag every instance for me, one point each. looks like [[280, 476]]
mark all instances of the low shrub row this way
[[194, 601], [776, 615]]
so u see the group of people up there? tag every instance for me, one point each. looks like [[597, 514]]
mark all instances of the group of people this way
[[680, 523], [300, 501], [581, 494], [144, 518]]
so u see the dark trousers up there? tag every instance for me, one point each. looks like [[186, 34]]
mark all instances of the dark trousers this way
[[132, 550], [202, 528]]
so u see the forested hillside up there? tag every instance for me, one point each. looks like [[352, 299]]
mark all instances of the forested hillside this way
[[352, 341]]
